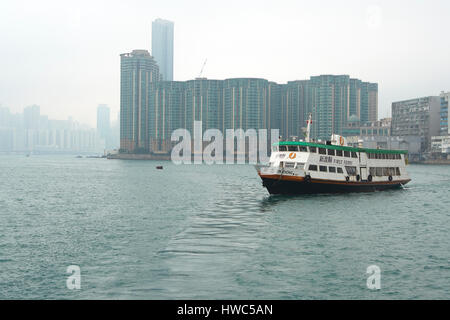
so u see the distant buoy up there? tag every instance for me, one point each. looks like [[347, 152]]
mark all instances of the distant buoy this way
[[159, 167]]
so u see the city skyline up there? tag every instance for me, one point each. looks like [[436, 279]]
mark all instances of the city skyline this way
[[399, 46], [152, 109]]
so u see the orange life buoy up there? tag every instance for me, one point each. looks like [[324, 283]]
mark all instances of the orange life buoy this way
[[292, 155], [341, 141]]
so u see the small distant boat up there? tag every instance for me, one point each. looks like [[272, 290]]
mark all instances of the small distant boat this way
[[159, 167], [78, 157]]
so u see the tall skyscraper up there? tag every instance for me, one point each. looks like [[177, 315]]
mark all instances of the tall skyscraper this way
[[104, 124], [138, 72], [162, 47]]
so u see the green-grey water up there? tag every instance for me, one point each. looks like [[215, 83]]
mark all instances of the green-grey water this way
[[213, 232]]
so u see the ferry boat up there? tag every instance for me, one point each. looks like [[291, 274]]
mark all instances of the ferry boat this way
[[307, 167]]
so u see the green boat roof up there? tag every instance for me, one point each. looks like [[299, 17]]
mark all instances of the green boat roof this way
[[344, 148]]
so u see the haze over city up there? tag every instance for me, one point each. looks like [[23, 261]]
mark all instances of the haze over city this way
[[65, 58]]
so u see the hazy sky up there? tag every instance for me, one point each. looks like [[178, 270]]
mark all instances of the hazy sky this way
[[64, 55]]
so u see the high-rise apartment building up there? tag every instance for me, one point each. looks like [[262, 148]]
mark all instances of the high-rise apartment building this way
[[166, 113], [445, 120], [138, 72], [246, 103], [417, 117], [329, 104], [294, 98], [162, 47], [332, 100]]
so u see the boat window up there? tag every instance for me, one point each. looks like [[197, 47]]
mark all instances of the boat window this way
[[397, 171], [312, 167], [303, 149], [283, 148], [347, 154], [379, 172], [289, 165], [339, 153], [385, 171], [339, 170], [292, 148], [351, 171], [392, 171], [372, 172], [354, 155], [312, 149], [332, 169], [399, 156], [323, 168], [322, 151], [331, 152]]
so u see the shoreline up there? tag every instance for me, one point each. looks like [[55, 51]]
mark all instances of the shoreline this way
[[132, 156], [431, 162], [166, 157]]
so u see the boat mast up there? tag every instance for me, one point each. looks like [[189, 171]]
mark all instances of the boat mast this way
[[308, 128]]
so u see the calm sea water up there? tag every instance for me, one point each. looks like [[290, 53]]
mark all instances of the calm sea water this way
[[213, 232]]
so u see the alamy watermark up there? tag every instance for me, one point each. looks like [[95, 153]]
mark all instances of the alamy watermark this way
[[374, 280], [192, 150], [73, 282]]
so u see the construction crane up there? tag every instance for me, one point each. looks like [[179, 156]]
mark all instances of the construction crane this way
[[201, 71]]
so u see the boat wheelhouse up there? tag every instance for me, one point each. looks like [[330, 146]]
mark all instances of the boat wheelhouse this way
[[298, 167]]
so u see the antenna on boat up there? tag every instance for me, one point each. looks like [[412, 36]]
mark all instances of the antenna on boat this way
[[308, 128]]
